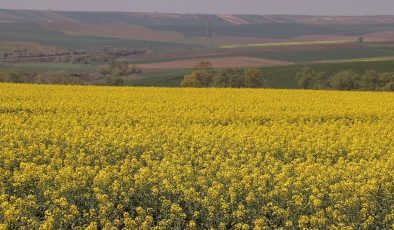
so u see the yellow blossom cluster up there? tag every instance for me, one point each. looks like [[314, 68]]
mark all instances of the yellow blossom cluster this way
[[81, 157]]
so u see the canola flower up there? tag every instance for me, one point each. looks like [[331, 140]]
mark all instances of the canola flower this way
[[79, 157]]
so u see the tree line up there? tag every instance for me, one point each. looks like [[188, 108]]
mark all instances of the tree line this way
[[372, 80], [71, 55], [113, 74], [204, 75]]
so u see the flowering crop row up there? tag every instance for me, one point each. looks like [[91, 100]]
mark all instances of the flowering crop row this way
[[157, 158]]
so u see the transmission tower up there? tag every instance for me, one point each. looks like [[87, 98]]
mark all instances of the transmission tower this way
[[211, 35]]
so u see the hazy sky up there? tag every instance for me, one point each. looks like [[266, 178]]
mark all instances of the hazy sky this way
[[310, 7]]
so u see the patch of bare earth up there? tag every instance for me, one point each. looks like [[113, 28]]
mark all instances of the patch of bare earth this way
[[382, 36], [233, 19], [218, 62]]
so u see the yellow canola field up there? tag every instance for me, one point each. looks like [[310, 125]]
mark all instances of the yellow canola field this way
[[81, 157]]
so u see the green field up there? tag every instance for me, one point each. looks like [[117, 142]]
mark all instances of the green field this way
[[325, 54], [30, 32], [276, 30], [43, 67], [28, 27], [313, 53], [277, 77], [279, 44], [370, 59], [168, 78]]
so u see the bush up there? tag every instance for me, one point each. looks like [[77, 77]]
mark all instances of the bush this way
[[17, 77], [114, 81], [253, 78], [190, 81], [204, 76], [55, 77], [118, 68], [344, 80]]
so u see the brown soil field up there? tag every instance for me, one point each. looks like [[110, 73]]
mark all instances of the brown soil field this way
[[383, 35], [233, 19], [217, 62]]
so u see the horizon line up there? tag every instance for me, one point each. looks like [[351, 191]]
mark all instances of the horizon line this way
[[186, 13]]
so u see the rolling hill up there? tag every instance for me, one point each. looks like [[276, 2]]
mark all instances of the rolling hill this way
[[172, 43], [166, 30]]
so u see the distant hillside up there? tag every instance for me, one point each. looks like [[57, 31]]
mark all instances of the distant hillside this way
[[182, 19], [165, 30]]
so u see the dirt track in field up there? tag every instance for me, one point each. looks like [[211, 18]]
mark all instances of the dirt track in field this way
[[219, 62]]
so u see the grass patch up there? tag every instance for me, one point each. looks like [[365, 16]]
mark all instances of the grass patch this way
[[167, 78], [334, 54], [29, 32], [370, 59], [45, 66]]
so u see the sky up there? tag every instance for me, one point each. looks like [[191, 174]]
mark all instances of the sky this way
[[303, 7]]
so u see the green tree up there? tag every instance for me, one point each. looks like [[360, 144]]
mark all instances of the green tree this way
[[235, 78], [104, 71], [190, 81], [344, 80], [220, 80], [18, 77], [202, 73], [204, 77], [114, 81], [369, 80], [229, 78], [386, 81], [253, 77], [119, 68], [2, 76], [54, 77], [389, 86], [309, 78], [305, 77], [116, 71]]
